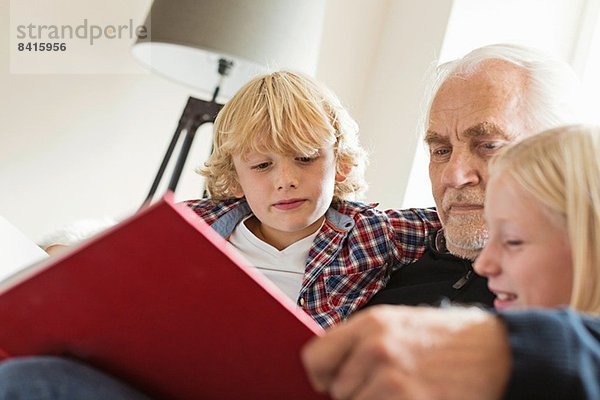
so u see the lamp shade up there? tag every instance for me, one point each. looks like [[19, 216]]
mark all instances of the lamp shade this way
[[188, 37]]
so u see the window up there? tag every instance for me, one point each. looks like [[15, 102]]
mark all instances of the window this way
[[567, 29]]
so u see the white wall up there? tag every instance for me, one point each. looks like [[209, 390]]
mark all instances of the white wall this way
[[413, 36], [76, 146], [376, 63]]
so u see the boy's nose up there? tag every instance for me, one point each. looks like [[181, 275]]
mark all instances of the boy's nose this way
[[287, 178]]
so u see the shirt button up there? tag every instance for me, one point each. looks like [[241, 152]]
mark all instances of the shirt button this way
[[301, 301]]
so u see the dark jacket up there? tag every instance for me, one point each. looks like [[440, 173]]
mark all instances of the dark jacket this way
[[435, 278], [555, 355]]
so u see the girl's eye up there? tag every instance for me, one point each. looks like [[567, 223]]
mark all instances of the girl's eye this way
[[513, 243]]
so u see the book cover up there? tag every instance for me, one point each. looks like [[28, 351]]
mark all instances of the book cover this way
[[164, 303]]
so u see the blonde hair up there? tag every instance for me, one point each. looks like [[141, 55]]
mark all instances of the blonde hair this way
[[560, 168], [286, 113]]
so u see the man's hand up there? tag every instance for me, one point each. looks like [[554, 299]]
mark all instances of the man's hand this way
[[394, 352]]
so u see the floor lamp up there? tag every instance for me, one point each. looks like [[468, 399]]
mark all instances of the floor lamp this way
[[215, 46], [196, 113]]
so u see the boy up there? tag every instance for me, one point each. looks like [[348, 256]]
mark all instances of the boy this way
[[286, 163]]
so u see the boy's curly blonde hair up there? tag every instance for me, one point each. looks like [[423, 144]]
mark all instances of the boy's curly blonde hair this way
[[286, 113]]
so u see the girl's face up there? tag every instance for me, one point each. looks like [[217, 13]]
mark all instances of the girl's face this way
[[527, 258]]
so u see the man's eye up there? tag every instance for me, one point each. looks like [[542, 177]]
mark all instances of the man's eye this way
[[261, 166], [492, 146], [440, 153]]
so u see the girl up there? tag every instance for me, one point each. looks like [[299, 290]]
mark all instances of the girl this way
[[543, 217]]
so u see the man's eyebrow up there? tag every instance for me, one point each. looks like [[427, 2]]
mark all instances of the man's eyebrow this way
[[484, 129], [480, 130], [434, 137]]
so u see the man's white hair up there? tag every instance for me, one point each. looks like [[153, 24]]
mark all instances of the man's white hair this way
[[553, 94]]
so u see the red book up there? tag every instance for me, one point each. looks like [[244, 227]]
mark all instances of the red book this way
[[164, 303]]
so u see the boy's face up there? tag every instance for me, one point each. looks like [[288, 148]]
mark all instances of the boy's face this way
[[288, 194]]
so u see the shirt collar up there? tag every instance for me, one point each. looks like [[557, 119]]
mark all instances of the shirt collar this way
[[227, 223], [439, 242]]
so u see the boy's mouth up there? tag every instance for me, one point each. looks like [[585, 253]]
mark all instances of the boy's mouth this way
[[289, 204]]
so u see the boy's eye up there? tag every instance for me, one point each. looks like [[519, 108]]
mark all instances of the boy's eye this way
[[305, 159], [261, 166]]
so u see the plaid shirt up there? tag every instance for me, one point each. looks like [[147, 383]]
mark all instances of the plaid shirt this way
[[352, 256]]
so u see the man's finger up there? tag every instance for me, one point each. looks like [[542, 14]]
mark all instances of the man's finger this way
[[323, 356], [356, 369]]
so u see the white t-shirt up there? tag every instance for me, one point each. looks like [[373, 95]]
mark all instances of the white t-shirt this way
[[284, 267]]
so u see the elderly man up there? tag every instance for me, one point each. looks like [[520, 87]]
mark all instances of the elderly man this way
[[493, 96]]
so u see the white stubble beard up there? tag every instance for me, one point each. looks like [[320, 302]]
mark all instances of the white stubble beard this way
[[465, 234]]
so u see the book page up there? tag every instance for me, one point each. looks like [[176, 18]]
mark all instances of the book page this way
[[16, 250]]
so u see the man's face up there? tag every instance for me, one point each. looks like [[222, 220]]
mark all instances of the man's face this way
[[472, 117]]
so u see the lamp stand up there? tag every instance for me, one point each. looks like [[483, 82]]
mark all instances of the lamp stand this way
[[196, 113]]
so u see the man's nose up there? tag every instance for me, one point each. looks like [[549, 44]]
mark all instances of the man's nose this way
[[463, 170]]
